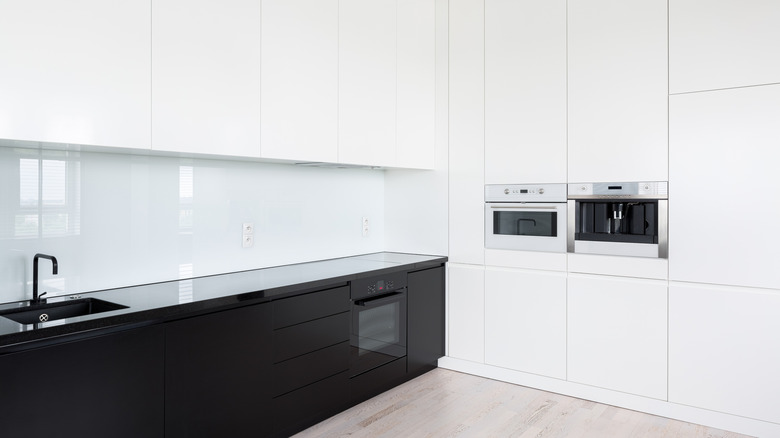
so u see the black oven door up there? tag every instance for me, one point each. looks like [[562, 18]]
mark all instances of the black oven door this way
[[378, 331]]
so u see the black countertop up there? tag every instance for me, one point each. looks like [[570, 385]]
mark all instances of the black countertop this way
[[158, 302]]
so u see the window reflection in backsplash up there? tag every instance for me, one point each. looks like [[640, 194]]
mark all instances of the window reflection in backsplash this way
[[48, 193]]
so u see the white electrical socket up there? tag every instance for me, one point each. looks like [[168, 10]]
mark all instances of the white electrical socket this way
[[365, 226], [247, 230]]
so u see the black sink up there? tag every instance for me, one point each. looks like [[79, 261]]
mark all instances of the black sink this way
[[65, 309]]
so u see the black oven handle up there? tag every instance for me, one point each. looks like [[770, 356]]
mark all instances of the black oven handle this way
[[380, 300]]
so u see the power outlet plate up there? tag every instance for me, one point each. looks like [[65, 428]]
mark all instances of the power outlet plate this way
[[247, 234], [365, 227]]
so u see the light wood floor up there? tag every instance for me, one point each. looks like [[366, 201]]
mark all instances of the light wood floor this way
[[445, 403]]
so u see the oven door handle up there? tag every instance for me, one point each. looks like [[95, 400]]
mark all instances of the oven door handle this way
[[525, 207], [378, 301]]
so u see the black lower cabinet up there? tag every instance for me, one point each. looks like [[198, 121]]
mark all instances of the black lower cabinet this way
[[425, 324], [262, 370], [311, 359], [111, 385], [217, 374]]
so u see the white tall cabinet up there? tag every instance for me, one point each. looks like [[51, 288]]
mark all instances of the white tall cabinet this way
[[525, 91], [466, 132], [723, 44], [76, 73], [617, 90], [723, 169], [206, 76], [617, 334], [466, 312], [723, 351], [525, 321], [299, 72]]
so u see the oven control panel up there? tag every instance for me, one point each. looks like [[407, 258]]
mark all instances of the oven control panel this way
[[378, 285]]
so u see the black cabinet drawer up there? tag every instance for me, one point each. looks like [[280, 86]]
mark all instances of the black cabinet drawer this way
[[309, 368], [295, 310], [310, 336], [311, 404]]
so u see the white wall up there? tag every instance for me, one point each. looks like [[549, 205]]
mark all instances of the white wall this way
[[114, 220]]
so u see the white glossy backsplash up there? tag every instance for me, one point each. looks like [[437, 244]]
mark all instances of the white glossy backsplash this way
[[114, 220]]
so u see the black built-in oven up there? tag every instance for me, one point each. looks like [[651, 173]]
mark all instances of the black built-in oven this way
[[378, 328]]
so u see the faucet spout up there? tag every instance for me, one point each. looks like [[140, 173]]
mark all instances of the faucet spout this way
[[36, 299]]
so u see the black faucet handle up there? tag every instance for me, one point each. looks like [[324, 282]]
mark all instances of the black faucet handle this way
[[41, 299]]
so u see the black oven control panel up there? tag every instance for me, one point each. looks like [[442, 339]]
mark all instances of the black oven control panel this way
[[378, 285]]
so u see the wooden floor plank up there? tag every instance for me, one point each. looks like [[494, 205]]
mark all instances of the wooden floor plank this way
[[448, 404]]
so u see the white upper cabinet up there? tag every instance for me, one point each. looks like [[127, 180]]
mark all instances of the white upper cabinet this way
[[386, 87], [206, 76], [299, 114], [617, 331], [76, 72], [525, 321], [723, 44], [723, 170], [367, 82], [416, 83], [618, 90], [525, 91]]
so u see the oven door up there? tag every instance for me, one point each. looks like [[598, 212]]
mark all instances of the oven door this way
[[378, 331], [526, 227]]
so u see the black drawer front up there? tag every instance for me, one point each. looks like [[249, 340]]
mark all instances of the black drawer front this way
[[311, 404], [310, 336], [309, 368], [295, 310]]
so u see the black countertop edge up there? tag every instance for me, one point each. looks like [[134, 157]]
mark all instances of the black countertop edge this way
[[24, 340]]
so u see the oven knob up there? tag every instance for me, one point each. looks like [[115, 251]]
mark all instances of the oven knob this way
[[541, 191], [506, 191]]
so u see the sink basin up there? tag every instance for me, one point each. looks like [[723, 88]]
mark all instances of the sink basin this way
[[54, 311]]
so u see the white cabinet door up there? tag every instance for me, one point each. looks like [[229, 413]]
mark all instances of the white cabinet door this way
[[525, 321], [466, 132], [525, 91], [367, 82], [206, 76], [416, 86], [617, 334], [76, 72], [466, 312], [299, 113], [723, 350], [723, 44], [618, 90], [723, 173]]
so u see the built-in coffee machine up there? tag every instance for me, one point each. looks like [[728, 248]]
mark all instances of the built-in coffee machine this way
[[627, 219]]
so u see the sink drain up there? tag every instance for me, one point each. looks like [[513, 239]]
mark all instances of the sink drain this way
[[44, 317]]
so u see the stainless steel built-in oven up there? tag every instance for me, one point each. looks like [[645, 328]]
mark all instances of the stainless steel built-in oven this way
[[378, 322], [526, 217], [627, 219]]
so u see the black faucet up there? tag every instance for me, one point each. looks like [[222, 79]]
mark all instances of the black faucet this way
[[36, 299]]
